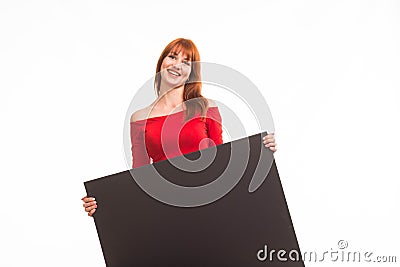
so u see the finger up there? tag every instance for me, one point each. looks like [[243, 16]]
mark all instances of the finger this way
[[88, 199], [272, 148], [90, 208], [270, 145], [88, 204], [270, 140], [267, 137], [90, 213], [270, 135]]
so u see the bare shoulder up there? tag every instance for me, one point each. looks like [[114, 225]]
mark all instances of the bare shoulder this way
[[141, 114], [211, 103]]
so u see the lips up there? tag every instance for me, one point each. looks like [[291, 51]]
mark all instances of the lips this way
[[175, 73]]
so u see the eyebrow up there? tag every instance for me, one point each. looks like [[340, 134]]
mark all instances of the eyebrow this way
[[175, 53]]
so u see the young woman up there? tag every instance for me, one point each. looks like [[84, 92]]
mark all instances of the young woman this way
[[180, 120]]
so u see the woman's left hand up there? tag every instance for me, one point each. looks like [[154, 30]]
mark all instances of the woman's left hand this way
[[269, 141]]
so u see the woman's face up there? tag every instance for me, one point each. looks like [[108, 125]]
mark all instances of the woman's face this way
[[175, 69]]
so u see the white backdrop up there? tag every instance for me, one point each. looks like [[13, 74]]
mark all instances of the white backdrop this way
[[329, 71]]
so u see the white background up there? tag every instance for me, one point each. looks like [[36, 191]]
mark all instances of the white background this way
[[329, 71]]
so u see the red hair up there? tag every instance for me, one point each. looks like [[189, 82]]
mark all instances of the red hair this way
[[192, 88]]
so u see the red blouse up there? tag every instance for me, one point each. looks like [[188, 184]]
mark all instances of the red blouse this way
[[157, 137]]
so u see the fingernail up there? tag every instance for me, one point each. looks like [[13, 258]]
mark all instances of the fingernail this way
[[93, 198]]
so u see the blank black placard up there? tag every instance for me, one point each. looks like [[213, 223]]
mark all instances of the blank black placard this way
[[136, 230]]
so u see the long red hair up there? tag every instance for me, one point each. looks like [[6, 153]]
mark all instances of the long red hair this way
[[192, 88]]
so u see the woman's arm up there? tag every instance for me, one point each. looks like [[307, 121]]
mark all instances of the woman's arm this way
[[214, 123], [140, 156]]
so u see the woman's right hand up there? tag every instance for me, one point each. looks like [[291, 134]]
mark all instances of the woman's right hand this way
[[90, 205]]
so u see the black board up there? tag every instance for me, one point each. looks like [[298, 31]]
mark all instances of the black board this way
[[137, 230]]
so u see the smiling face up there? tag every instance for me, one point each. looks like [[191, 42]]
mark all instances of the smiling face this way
[[175, 69], [176, 66]]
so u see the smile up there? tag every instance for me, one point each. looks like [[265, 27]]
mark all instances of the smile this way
[[173, 72]]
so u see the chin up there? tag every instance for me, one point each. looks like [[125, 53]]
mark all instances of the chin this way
[[174, 85]]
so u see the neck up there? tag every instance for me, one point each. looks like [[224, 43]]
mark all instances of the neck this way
[[171, 98]]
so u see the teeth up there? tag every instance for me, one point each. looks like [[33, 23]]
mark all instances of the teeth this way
[[173, 72]]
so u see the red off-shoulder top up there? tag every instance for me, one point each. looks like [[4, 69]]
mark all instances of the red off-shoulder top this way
[[157, 139]]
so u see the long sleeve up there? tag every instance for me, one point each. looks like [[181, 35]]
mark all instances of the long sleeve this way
[[140, 156], [214, 125]]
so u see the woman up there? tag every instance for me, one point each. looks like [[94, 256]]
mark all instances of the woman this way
[[192, 121]]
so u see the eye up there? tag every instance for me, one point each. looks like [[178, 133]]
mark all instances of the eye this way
[[186, 62], [172, 56]]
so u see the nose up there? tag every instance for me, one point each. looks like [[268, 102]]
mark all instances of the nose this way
[[177, 64]]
